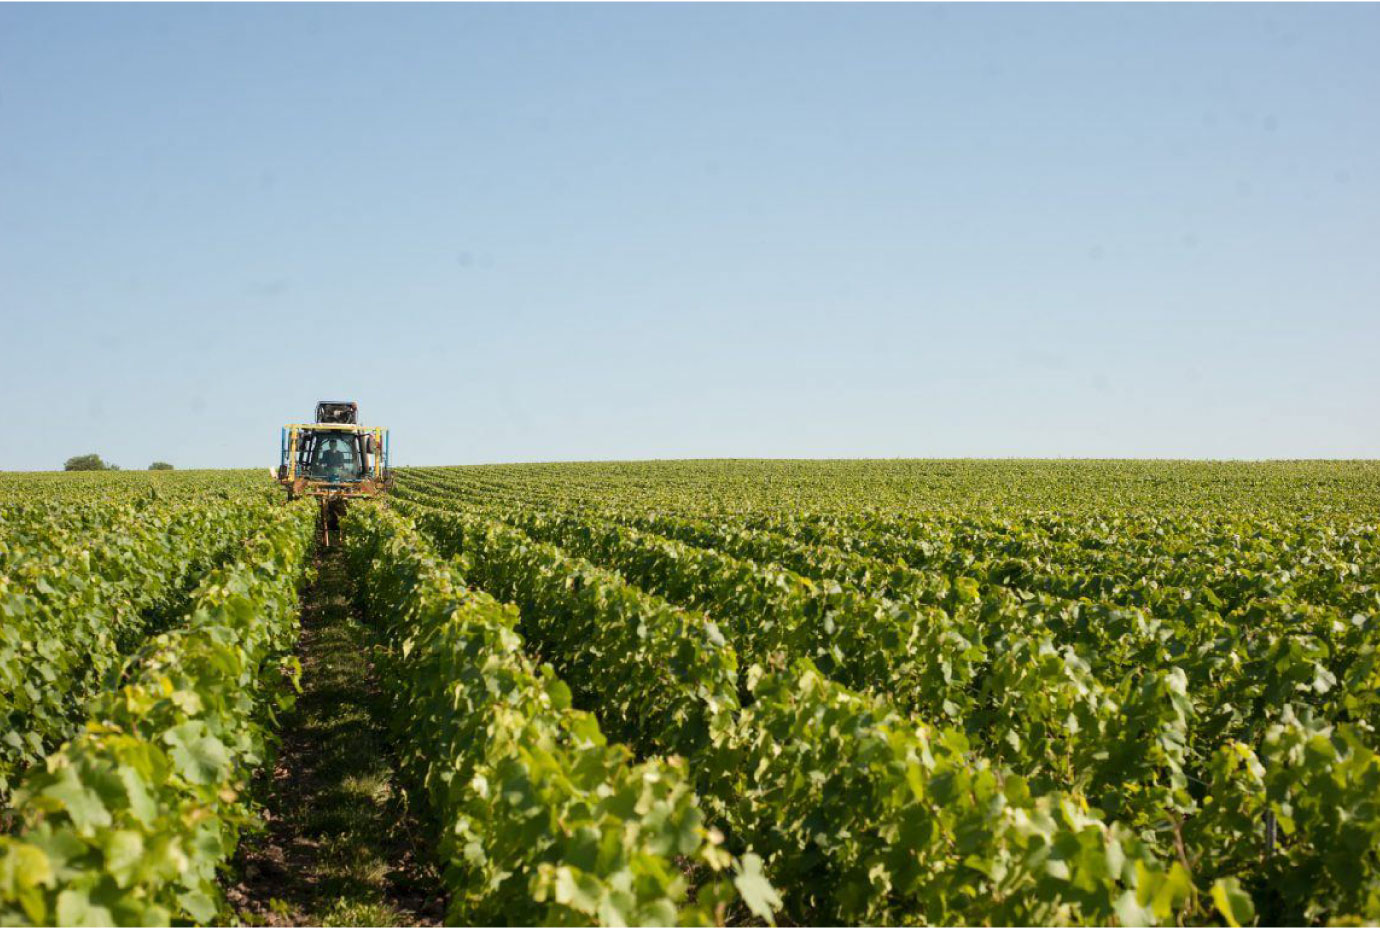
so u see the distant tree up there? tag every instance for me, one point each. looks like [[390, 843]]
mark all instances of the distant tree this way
[[160, 465], [88, 462]]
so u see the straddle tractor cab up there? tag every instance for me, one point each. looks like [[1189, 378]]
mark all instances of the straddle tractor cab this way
[[335, 459]]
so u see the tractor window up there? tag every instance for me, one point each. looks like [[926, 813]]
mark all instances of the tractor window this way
[[335, 459]]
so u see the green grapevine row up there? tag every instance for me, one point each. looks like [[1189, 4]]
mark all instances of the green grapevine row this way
[[1197, 659], [1241, 674], [78, 591], [542, 820], [926, 661], [853, 834], [128, 823]]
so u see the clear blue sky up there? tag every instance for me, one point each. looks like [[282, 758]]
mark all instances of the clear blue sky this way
[[569, 232]]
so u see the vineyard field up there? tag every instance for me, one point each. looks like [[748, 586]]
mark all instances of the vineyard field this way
[[709, 692]]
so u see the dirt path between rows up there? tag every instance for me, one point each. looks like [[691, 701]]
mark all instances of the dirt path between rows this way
[[341, 847]]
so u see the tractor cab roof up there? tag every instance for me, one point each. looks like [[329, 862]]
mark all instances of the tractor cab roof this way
[[337, 412]]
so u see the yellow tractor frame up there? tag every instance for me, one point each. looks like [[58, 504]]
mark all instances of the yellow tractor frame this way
[[299, 484]]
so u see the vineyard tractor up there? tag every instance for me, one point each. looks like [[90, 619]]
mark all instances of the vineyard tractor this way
[[334, 459]]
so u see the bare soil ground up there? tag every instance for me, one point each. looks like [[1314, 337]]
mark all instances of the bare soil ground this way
[[340, 845]]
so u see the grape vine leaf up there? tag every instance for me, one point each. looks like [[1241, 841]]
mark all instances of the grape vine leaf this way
[[757, 893], [1233, 902]]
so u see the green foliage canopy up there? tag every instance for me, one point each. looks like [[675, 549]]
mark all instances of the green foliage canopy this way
[[87, 462]]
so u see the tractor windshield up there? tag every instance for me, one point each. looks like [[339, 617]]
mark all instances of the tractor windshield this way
[[336, 460]]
